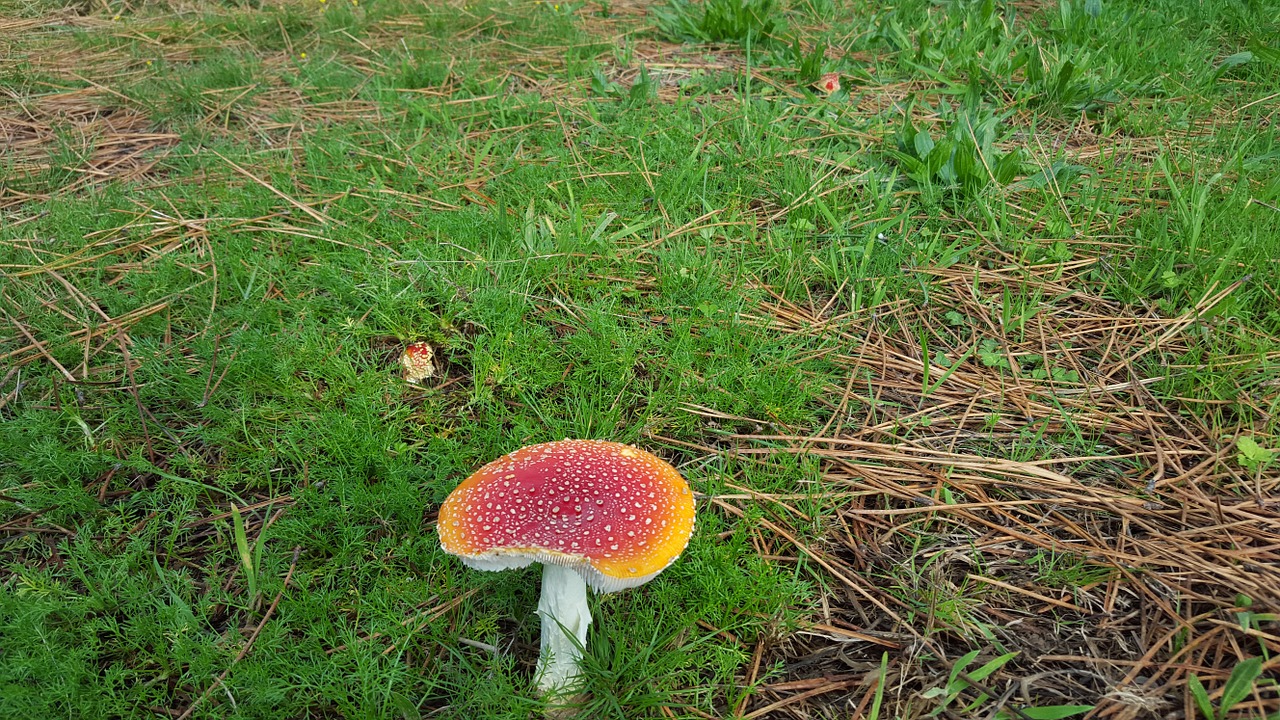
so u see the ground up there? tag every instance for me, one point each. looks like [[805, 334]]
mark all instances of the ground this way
[[972, 363]]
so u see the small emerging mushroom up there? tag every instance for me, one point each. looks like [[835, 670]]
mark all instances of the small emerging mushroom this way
[[829, 83], [418, 362], [592, 512]]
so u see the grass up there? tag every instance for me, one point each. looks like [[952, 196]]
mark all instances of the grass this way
[[968, 361]]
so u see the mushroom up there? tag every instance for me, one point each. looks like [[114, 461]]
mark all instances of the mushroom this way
[[592, 512], [829, 83], [417, 362]]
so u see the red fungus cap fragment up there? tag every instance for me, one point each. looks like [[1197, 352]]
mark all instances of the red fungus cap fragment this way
[[829, 83], [616, 514]]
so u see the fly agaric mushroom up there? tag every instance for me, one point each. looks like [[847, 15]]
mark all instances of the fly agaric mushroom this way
[[417, 362], [592, 512], [830, 83]]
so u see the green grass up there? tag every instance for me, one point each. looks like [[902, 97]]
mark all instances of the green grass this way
[[587, 265]]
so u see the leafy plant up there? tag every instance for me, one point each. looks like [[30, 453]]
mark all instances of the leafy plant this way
[[890, 32], [990, 354], [734, 21], [809, 65], [1258, 53], [1040, 369], [1079, 20], [1058, 174], [1057, 252], [603, 86], [1232, 61], [964, 158], [968, 31], [1064, 82], [959, 681], [1252, 456], [1238, 687], [1264, 53], [644, 88], [1250, 620]]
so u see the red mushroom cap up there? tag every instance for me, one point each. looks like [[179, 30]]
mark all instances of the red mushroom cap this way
[[417, 362], [616, 514]]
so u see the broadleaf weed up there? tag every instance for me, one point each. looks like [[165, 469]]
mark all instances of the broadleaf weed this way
[[735, 21]]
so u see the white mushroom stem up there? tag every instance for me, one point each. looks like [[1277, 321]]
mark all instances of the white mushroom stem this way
[[565, 617]]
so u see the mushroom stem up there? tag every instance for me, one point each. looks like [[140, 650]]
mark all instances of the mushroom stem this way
[[564, 611]]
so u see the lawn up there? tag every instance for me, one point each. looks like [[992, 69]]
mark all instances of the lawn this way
[[973, 364]]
